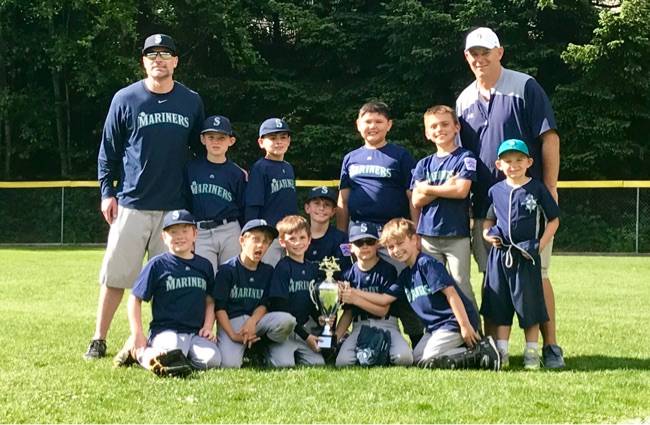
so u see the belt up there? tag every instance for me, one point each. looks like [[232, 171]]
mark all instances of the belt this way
[[211, 224], [361, 317]]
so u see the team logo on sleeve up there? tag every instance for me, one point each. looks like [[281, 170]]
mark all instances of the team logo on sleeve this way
[[530, 203], [470, 164]]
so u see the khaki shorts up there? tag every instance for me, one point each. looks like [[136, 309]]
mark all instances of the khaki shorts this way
[[133, 233], [480, 250]]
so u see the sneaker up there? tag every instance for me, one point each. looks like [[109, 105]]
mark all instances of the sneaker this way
[[531, 359], [171, 363], [124, 358], [553, 357], [490, 358], [96, 349], [505, 360]]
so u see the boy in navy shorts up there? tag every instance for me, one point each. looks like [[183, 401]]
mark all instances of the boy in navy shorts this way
[[451, 339], [375, 187], [370, 274], [441, 185], [178, 283], [290, 286], [515, 226], [326, 240], [271, 190], [215, 188], [241, 294]]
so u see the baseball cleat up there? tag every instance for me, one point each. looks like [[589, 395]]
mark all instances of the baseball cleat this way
[[96, 349]]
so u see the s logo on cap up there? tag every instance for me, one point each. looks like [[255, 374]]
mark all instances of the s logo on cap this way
[[158, 39], [364, 227], [278, 123], [217, 122], [323, 190], [176, 214]]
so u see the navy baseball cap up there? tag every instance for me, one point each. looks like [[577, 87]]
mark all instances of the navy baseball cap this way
[[322, 192], [274, 125], [513, 145], [217, 123], [178, 217], [261, 224], [363, 230], [159, 40]]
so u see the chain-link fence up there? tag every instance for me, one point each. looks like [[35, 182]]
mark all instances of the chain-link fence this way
[[596, 216]]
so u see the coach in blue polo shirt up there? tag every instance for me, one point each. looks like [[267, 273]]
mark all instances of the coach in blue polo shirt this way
[[504, 104]]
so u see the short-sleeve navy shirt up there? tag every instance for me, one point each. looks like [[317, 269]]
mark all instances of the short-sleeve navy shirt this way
[[292, 281], [446, 217], [378, 280], [272, 187], [423, 284], [177, 289], [378, 180]]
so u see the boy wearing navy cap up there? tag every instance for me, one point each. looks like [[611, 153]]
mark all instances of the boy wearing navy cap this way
[[271, 190], [441, 185], [452, 323], [215, 189], [178, 283], [326, 240], [516, 228], [370, 275], [241, 295]]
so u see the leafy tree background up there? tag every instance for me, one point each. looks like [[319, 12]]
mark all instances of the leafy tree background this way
[[315, 63]]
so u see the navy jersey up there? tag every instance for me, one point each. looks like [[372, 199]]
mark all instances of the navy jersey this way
[[378, 280], [522, 210], [291, 282], [445, 216], [145, 146], [177, 289], [239, 290], [271, 191], [215, 191], [518, 109], [423, 284], [378, 180], [334, 243]]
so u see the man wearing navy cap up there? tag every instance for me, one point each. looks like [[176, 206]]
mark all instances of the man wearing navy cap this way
[[144, 146], [504, 104]]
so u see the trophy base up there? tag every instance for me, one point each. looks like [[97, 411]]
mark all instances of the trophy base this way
[[325, 341]]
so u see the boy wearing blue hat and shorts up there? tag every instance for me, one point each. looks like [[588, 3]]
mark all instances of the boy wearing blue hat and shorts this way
[[178, 283], [215, 190], [271, 190], [521, 221]]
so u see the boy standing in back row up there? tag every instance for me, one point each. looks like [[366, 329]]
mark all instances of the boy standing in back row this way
[[441, 185], [215, 188], [271, 191]]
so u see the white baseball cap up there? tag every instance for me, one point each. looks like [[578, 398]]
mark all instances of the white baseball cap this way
[[482, 37]]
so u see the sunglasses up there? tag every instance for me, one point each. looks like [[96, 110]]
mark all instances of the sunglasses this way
[[366, 241], [163, 55]]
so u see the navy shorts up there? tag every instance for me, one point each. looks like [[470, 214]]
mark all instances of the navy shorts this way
[[516, 289]]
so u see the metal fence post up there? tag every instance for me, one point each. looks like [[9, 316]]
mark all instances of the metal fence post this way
[[636, 236], [62, 210]]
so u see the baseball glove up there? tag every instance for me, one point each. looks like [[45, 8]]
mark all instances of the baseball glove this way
[[373, 347], [171, 363]]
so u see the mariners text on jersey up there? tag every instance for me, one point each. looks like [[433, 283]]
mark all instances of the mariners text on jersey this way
[[210, 189], [172, 283], [299, 285], [279, 184], [237, 293], [145, 119], [417, 292], [369, 170]]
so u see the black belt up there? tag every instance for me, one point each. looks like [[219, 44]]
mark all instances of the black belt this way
[[361, 317], [211, 224]]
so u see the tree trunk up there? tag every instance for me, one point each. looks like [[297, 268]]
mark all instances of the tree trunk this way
[[5, 125], [68, 126], [59, 114]]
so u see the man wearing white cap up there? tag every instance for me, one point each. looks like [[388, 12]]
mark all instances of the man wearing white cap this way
[[504, 104]]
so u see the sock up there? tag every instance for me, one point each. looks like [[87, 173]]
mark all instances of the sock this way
[[502, 346], [532, 345]]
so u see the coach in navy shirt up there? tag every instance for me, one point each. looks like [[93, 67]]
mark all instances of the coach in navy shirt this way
[[504, 104], [144, 147]]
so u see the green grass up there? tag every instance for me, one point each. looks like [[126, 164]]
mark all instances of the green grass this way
[[47, 309]]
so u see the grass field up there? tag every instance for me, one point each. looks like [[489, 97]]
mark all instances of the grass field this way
[[47, 310]]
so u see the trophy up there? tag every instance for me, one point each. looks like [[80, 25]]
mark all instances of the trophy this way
[[326, 299]]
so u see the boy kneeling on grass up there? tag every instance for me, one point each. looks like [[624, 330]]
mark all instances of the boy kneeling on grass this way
[[451, 340], [178, 284]]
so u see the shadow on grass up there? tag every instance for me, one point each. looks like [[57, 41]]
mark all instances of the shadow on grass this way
[[592, 362]]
